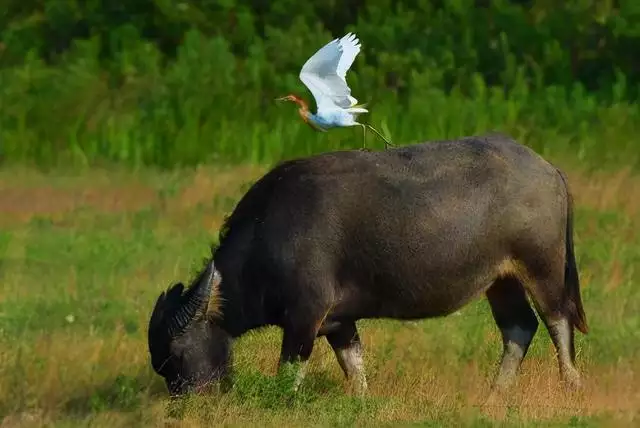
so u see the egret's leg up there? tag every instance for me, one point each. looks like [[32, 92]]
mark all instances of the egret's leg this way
[[386, 142]]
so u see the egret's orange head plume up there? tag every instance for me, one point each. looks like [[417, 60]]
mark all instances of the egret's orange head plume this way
[[289, 97]]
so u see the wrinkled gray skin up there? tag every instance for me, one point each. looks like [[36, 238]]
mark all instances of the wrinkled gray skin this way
[[408, 233]]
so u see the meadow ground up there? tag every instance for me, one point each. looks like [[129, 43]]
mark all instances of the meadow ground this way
[[83, 257]]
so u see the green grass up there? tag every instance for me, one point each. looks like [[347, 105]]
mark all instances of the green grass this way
[[83, 255]]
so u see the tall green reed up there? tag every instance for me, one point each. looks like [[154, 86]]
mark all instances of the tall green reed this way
[[210, 105]]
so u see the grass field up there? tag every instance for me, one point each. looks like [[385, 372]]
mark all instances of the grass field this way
[[83, 256]]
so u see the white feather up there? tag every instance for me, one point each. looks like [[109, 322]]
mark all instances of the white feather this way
[[325, 73]]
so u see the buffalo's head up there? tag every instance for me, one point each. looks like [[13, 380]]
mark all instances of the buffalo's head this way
[[187, 348]]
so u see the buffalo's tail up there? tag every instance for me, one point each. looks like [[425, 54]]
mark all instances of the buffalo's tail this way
[[571, 278]]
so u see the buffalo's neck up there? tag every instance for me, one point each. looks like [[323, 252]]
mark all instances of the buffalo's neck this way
[[241, 307], [231, 310], [245, 299]]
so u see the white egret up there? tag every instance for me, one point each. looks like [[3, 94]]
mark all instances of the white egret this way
[[324, 75]]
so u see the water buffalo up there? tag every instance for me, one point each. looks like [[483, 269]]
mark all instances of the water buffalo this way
[[408, 233]]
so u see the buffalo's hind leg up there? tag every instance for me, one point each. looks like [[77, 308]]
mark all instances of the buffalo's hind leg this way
[[545, 285], [562, 335], [517, 323], [552, 308], [346, 344]]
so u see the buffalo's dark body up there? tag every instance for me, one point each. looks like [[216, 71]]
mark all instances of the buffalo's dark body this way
[[409, 233]]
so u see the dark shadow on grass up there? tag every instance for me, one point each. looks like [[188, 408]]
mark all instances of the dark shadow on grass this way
[[123, 393]]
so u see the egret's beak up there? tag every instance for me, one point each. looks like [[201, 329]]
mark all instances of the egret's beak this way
[[282, 99]]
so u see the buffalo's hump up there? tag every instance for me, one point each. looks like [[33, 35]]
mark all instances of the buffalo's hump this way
[[358, 189]]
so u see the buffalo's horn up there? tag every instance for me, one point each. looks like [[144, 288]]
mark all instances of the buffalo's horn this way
[[194, 302]]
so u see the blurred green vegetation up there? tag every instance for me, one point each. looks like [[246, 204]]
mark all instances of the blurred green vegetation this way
[[174, 83]]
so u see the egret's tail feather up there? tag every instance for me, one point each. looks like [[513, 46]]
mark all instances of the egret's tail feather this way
[[358, 109]]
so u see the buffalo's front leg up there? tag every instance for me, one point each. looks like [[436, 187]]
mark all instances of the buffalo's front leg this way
[[297, 344]]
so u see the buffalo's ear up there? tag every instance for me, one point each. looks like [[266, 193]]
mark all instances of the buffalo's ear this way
[[175, 292], [158, 333], [158, 311], [165, 304]]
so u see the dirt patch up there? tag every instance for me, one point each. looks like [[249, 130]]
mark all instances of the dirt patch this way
[[21, 202], [24, 203]]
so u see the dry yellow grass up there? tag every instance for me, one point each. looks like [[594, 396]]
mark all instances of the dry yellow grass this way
[[64, 370]]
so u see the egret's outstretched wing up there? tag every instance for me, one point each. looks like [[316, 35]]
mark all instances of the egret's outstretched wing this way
[[325, 73], [350, 46]]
